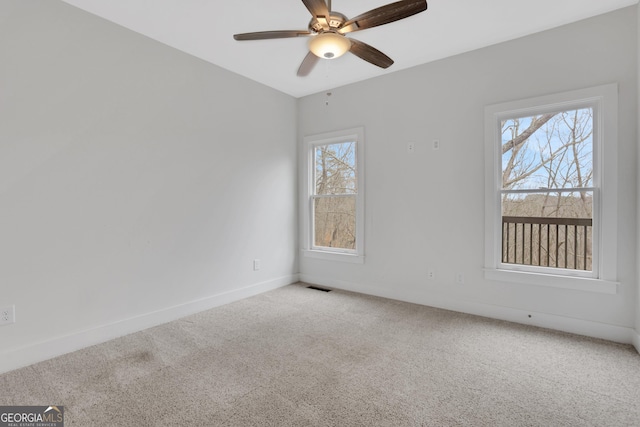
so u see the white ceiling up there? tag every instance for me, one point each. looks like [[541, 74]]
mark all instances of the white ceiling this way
[[204, 28]]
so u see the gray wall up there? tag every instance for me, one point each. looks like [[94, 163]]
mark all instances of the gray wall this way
[[137, 183], [427, 209], [637, 337]]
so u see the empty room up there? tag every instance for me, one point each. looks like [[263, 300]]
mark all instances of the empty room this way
[[319, 213]]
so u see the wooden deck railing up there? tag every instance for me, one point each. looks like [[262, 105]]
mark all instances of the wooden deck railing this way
[[547, 242]]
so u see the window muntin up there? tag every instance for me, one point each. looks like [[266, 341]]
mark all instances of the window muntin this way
[[547, 188]]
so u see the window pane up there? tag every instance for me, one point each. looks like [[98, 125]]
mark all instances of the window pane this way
[[549, 229], [553, 150], [335, 222], [335, 168]]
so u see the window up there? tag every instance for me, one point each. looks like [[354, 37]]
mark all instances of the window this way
[[551, 190], [546, 190], [334, 212]]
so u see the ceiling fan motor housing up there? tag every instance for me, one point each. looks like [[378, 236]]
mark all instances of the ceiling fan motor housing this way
[[335, 21]]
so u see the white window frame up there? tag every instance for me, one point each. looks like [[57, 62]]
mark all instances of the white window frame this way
[[333, 254], [603, 278]]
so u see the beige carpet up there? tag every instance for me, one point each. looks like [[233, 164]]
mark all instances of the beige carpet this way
[[301, 357]]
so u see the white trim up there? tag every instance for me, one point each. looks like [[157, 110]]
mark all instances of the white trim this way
[[334, 256], [43, 350], [620, 334], [546, 189], [635, 340], [346, 135], [604, 100], [585, 284]]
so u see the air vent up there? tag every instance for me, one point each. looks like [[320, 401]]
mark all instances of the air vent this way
[[315, 288]]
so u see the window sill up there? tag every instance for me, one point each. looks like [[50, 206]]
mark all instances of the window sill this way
[[554, 281], [334, 256]]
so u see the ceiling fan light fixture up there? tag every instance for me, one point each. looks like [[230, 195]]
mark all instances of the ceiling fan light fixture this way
[[329, 45], [327, 29]]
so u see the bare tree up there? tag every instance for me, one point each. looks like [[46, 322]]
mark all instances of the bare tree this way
[[516, 168], [551, 157], [553, 152], [336, 189]]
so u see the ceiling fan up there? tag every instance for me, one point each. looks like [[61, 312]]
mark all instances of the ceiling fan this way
[[327, 31]]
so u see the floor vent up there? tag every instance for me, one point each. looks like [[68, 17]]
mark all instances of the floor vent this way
[[315, 288]]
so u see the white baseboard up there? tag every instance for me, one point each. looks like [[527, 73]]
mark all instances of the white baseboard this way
[[588, 328], [37, 352], [636, 340]]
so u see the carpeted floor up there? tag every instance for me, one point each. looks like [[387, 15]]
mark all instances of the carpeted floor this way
[[302, 357]]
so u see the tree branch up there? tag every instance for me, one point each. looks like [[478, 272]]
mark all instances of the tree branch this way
[[536, 124]]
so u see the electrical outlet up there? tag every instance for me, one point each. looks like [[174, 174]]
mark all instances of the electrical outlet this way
[[436, 144], [431, 274], [7, 315], [459, 278], [256, 264]]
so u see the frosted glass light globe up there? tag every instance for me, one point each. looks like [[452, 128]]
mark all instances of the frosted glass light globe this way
[[329, 45]]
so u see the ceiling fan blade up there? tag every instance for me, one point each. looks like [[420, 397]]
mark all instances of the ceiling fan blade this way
[[307, 65], [370, 54], [262, 35], [317, 7], [384, 15]]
